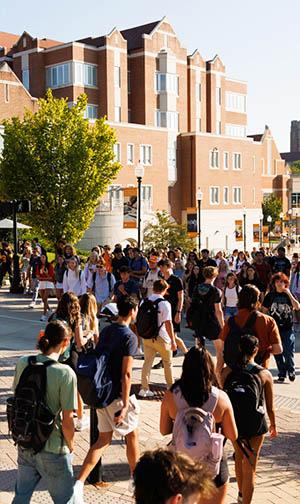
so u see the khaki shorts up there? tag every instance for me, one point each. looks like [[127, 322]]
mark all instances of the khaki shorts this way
[[106, 417]]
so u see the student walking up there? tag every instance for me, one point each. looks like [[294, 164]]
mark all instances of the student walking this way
[[74, 279], [45, 275], [230, 295]]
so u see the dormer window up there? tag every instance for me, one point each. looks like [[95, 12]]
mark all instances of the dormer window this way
[[24, 42]]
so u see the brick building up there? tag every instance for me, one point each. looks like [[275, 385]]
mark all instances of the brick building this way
[[182, 117]]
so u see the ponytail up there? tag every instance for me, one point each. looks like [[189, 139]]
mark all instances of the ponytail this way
[[55, 332]]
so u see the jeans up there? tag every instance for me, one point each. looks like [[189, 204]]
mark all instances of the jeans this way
[[230, 311], [35, 289], [286, 361], [55, 470]]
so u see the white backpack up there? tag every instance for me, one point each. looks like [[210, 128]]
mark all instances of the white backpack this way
[[194, 434]]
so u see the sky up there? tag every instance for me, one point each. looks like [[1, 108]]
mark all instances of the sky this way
[[258, 41]]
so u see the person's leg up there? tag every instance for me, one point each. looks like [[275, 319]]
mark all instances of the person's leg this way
[[280, 363], [42, 293], [35, 288], [238, 462], [250, 469], [57, 472], [219, 345], [149, 354], [181, 345], [46, 297], [288, 342], [132, 449], [27, 477], [94, 454], [164, 350]]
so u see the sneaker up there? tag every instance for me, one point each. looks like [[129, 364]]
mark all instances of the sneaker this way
[[159, 365], [145, 393], [240, 498], [292, 376], [43, 318], [32, 304], [131, 485], [50, 311], [78, 493], [280, 379], [82, 423]]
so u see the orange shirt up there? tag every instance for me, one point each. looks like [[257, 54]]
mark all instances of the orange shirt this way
[[107, 258]]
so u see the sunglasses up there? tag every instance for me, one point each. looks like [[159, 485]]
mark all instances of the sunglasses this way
[[100, 267]]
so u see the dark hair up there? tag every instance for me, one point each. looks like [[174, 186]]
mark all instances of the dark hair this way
[[55, 332], [281, 249], [68, 309], [197, 377], [125, 304], [125, 269], [248, 297], [247, 347], [160, 285], [162, 474], [205, 250], [278, 276], [231, 275], [165, 262]]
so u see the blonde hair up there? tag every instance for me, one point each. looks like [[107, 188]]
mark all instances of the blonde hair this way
[[88, 305]]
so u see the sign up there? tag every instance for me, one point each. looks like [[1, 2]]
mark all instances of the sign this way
[[191, 222], [256, 232], [277, 228], [265, 234], [130, 207], [238, 230]]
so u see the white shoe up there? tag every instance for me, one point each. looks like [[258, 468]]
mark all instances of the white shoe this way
[[82, 423], [145, 393], [32, 304], [43, 318], [78, 493]]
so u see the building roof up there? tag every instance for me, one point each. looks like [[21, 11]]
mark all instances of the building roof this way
[[290, 157], [134, 35], [8, 39], [94, 41], [45, 43], [257, 137]]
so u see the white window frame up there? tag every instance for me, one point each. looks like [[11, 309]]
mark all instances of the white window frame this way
[[214, 155], [226, 190], [147, 196], [25, 78], [219, 127], [234, 157], [146, 154], [117, 151], [117, 76], [91, 112], [219, 96], [236, 102], [118, 114], [130, 153], [237, 190], [226, 156], [214, 195]]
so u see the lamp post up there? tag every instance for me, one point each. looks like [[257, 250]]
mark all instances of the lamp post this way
[[244, 221], [290, 211], [261, 216], [139, 173], [296, 227], [199, 197], [269, 220], [281, 222]]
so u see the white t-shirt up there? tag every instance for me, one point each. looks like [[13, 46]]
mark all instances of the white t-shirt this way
[[74, 282], [164, 314], [151, 277], [231, 296]]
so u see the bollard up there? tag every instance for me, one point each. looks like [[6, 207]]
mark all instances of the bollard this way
[[96, 474]]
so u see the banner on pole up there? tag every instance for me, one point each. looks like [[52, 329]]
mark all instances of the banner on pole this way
[[265, 234], [277, 228], [238, 230], [130, 207], [256, 232], [191, 222]]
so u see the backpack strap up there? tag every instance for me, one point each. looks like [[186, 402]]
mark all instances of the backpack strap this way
[[249, 325], [94, 281], [109, 281], [211, 402]]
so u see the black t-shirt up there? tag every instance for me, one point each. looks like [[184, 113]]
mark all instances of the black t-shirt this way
[[280, 264], [119, 341], [202, 264], [175, 286], [280, 308], [205, 321], [117, 264]]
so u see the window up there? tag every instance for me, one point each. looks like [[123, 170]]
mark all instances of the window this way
[[237, 161], [168, 120], [235, 130], [115, 196], [146, 197], [59, 75], [198, 91], [218, 128], [237, 195], [130, 158], [89, 75], [117, 114], [24, 41], [226, 195], [91, 112], [226, 160], [117, 76], [25, 78], [172, 155], [214, 195], [167, 82], [219, 96], [295, 200], [214, 158], [117, 151], [236, 102], [198, 124], [129, 81], [75, 72], [6, 92], [146, 154]]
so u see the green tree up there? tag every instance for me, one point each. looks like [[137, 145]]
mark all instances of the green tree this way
[[295, 167], [166, 233], [58, 161], [271, 206]]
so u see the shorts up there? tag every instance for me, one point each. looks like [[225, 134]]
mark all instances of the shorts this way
[[59, 285], [44, 284], [106, 417], [223, 475]]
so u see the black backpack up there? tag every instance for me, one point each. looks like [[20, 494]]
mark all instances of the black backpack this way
[[245, 391], [232, 342], [147, 319], [30, 421]]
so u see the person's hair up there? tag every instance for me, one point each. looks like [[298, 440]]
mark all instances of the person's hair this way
[[165, 262], [162, 474], [171, 254], [231, 275], [35, 240], [197, 377], [260, 252], [252, 267], [204, 251], [187, 264], [73, 250], [210, 272], [125, 304], [281, 249], [160, 285], [68, 309], [248, 297], [247, 348], [55, 332], [278, 276], [125, 269], [89, 308]]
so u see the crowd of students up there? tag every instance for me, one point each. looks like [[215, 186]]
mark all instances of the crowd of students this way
[[241, 302]]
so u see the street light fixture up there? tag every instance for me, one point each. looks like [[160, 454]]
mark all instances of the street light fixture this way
[[261, 217], [290, 211], [281, 215], [199, 197], [244, 220], [139, 173], [269, 220]]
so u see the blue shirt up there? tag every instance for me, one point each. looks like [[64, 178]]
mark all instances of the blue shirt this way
[[131, 287]]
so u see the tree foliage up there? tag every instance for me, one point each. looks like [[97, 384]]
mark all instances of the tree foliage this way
[[165, 233], [58, 161], [271, 206], [295, 167]]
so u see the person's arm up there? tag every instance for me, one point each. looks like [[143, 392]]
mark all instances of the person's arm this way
[[126, 386], [166, 422], [219, 314], [177, 317], [229, 427], [295, 303], [274, 338], [80, 340], [68, 428], [170, 331], [269, 396]]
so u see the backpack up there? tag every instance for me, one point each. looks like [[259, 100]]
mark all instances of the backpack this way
[[232, 342], [245, 390], [147, 319], [30, 421], [198, 314], [193, 434], [108, 279]]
